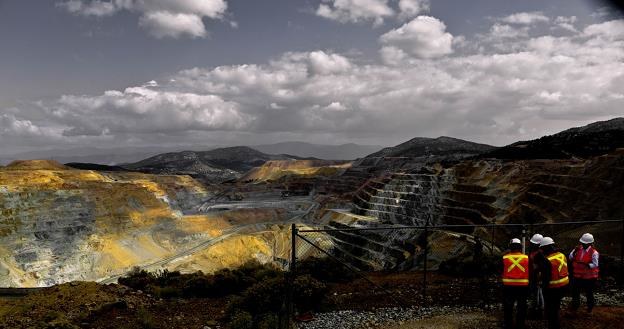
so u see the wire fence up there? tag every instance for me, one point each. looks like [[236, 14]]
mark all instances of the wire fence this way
[[441, 265]]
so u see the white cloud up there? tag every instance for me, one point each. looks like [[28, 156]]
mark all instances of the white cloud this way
[[611, 30], [146, 110], [354, 11], [412, 8], [566, 23], [10, 125], [94, 8], [163, 24], [161, 18], [531, 85], [526, 18], [423, 37], [504, 31], [392, 55], [323, 63]]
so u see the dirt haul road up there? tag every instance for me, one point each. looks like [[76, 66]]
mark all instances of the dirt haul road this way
[[228, 233]]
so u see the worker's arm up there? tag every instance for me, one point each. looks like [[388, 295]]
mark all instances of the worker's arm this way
[[594, 262]]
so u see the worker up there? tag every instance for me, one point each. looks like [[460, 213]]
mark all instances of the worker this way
[[535, 290], [554, 275], [515, 284], [585, 268]]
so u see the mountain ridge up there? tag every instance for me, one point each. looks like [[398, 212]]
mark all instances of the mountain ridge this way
[[348, 151], [424, 146], [211, 166], [596, 138]]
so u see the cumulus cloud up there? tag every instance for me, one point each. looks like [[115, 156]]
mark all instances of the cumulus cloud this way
[[526, 18], [612, 30], [10, 125], [147, 110], [163, 24], [538, 84], [412, 8], [422, 37], [161, 18], [354, 11], [566, 23], [94, 8], [503, 31]]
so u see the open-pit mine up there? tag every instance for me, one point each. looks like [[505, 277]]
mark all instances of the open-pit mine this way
[[61, 224]]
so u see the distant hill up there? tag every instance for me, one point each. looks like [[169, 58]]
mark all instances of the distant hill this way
[[94, 166], [210, 166], [422, 146], [594, 139], [105, 156], [35, 165], [328, 152]]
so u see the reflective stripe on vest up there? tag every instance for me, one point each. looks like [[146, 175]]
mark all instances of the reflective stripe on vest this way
[[580, 263], [516, 269], [558, 270]]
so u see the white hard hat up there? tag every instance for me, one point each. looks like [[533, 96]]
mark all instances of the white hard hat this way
[[547, 241], [537, 238], [587, 238], [515, 241]]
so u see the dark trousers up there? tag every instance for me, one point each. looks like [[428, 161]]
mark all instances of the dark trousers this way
[[587, 286], [537, 307], [514, 295], [552, 305]]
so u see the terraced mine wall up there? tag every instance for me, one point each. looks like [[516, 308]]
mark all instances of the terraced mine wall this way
[[59, 225], [476, 192]]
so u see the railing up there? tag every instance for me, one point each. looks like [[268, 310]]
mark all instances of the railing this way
[[461, 253]]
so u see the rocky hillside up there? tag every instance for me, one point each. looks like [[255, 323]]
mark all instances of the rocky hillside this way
[[330, 152], [576, 175], [59, 224], [280, 169], [210, 166], [582, 142], [421, 146]]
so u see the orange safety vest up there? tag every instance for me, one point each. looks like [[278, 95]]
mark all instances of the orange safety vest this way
[[581, 261], [516, 269], [558, 270]]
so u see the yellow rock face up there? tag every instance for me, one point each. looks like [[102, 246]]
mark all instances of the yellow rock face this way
[[273, 170], [59, 224]]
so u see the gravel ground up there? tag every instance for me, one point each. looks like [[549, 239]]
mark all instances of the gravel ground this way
[[380, 318], [397, 317]]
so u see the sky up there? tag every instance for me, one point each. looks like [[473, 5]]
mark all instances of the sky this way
[[114, 73]]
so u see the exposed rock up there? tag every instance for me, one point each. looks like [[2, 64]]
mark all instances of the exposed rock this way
[[210, 166]]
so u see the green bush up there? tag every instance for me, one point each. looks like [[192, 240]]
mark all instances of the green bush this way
[[166, 278], [145, 319], [167, 292], [264, 297], [269, 321], [325, 270], [224, 282], [197, 286], [138, 279], [241, 320], [309, 293]]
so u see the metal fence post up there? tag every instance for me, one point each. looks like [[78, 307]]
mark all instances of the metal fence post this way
[[524, 239], [425, 262], [622, 256], [291, 276]]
